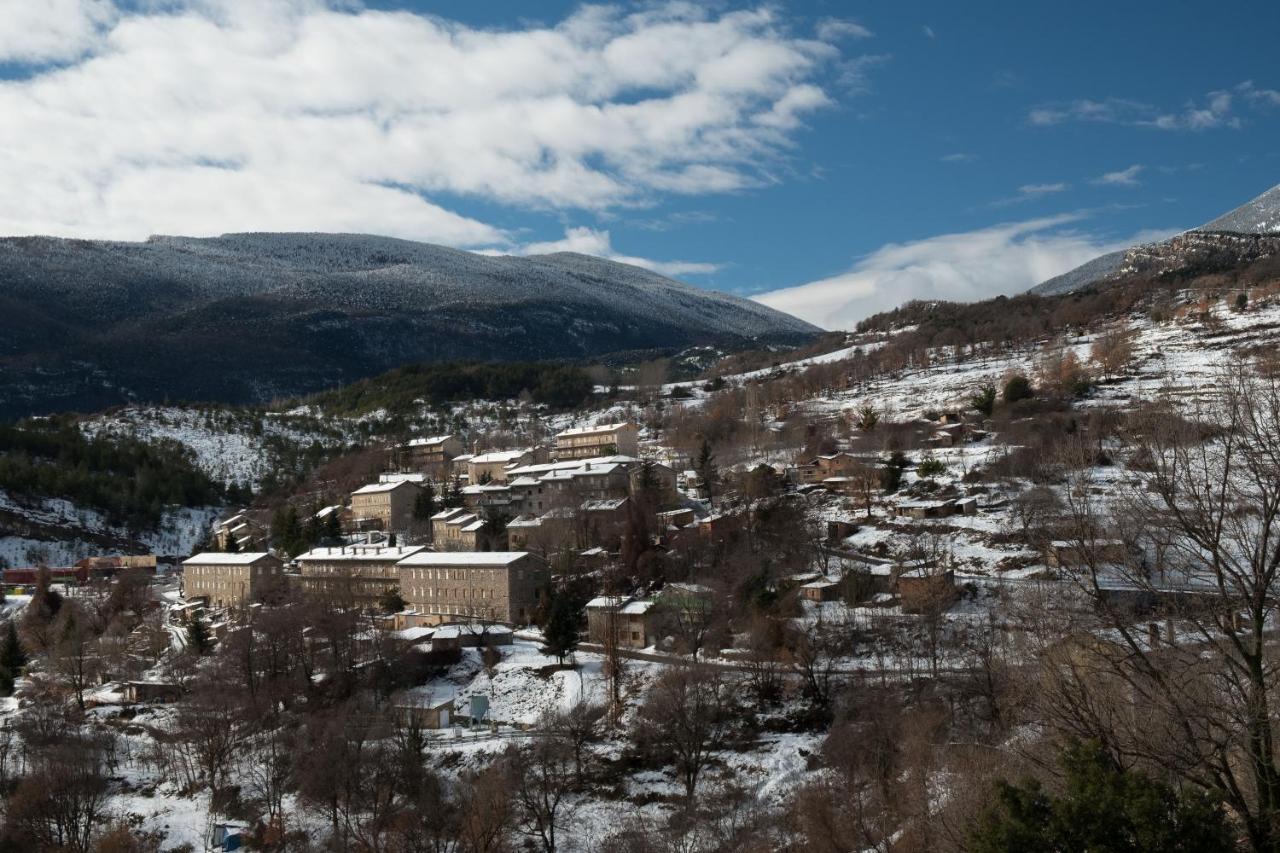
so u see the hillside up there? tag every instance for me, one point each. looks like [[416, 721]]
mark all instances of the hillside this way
[[253, 317], [1241, 236]]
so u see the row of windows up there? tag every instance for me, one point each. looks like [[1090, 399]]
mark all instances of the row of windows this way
[[429, 592]]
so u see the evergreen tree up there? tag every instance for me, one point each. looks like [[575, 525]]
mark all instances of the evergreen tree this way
[[232, 545], [424, 505], [560, 633], [198, 635], [12, 656], [984, 400], [1103, 809], [392, 601], [706, 468]]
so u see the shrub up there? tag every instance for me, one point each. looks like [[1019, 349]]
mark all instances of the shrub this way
[[1017, 387]]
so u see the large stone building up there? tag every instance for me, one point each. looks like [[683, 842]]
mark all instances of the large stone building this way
[[432, 455], [600, 440], [490, 586], [353, 574], [231, 580], [384, 506], [492, 466]]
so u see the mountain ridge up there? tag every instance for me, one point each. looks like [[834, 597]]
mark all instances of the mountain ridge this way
[[244, 318], [1243, 234]]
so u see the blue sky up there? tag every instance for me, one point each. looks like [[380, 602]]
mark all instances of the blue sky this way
[[873, 152]]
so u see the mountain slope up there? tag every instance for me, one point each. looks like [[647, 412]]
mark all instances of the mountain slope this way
[[248, 317], [1243, 235]]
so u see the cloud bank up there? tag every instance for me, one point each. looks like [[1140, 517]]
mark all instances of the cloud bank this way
[[205, 116], [1002, 259]]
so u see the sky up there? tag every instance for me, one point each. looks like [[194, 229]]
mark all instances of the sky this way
[[830, 159]]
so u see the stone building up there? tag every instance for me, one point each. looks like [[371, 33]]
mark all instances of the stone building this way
[[384, 506], [490, 586], [600, 440], [355, 574], [231, 580]]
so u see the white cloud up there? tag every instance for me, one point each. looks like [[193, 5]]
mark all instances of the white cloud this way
[[834, 29], [958, 157], [1215, 109], [203, 116], [51, 30], [1002, 259], [1043, 189], [590, 241], [1122, 178]]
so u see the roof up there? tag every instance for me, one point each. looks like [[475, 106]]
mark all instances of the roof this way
[[464, 558], [604, 505], [820, 584], [220, 558], [499, 456], [523, 481], [629, 606], [474, 526], [427, 441], [406, 476], [524, 521], [598, 428], [374, 488], [360, 553], [447, 513]]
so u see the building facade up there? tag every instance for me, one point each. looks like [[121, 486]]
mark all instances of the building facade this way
[[600, 440], [356, 574], [231, 580], [489, 586], [384, 506]]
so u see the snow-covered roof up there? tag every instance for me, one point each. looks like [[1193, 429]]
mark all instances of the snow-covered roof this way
[[428, 441], [593, 430], [607, 505], [474, 526], [499, 456], [447, 513], [524, 521], [374, 488], [222, 558], [360, 553], [523, 481], [403, 477], [433, 559]]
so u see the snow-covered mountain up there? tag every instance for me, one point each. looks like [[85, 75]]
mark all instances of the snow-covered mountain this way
[[1249, 232], [252, 317]]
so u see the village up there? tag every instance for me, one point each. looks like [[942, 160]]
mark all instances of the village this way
[[907, 537]]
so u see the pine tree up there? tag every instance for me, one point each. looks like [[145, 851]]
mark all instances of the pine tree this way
[[12, 656], [391, 601], [424, 505], [706, 468], [198, 635], [560, 633]]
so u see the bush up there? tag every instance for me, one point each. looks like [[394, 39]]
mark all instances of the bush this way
[[930, 468], [1018, 387], [984, 400]]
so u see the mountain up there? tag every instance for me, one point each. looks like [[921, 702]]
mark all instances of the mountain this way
[[1249, 232], [246, 318]]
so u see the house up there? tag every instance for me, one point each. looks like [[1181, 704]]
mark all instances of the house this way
[[834, 465], [384, 506], [431, 455], [629, 621], [820, 590], [357, 574], [424, 713], [458, 530], [492, 466], [492, 586], [470, 636], [135, 692], [600, 440], [231, 580], [922, 590], [1067, 553], [247, 534], [924, 509]]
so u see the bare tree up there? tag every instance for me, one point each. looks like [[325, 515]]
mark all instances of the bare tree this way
[[1199, 700], [541, 777], [687, 715]]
